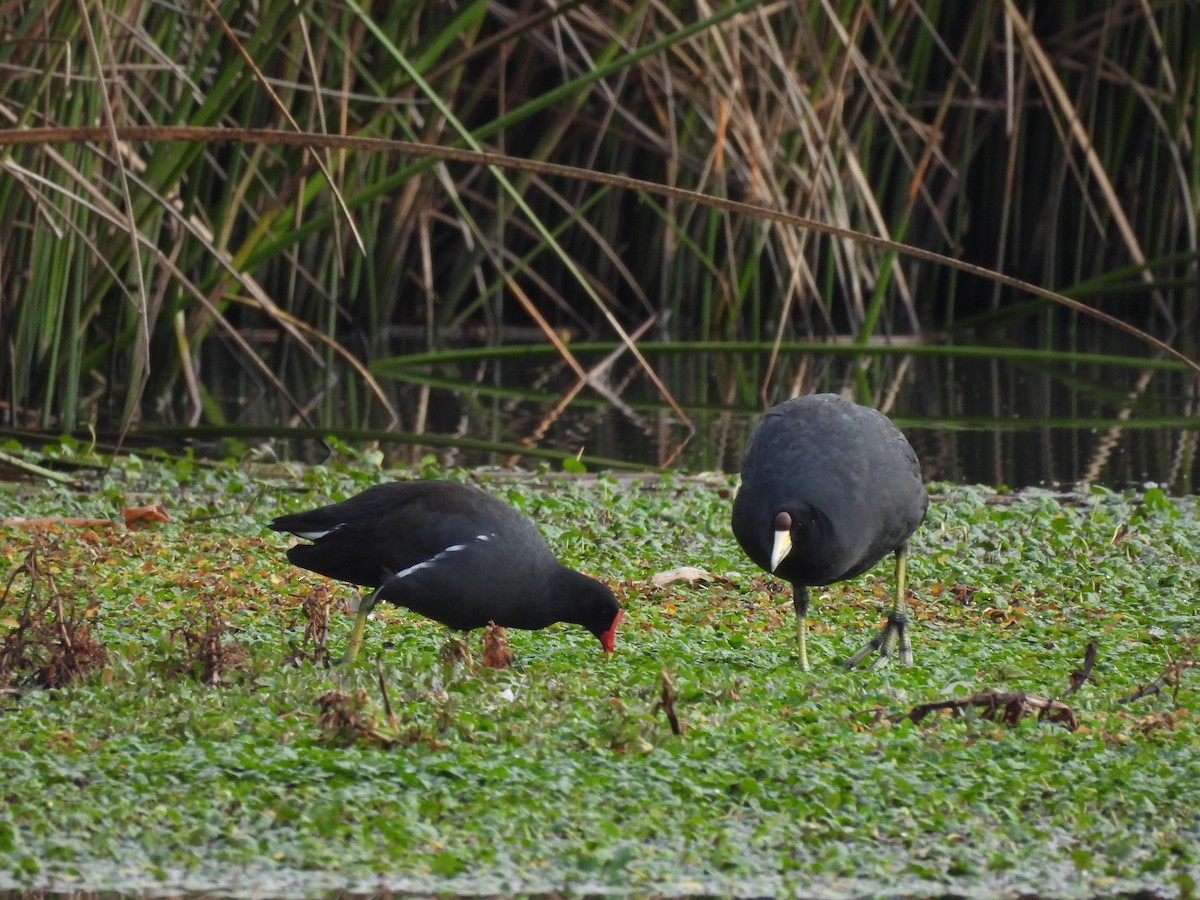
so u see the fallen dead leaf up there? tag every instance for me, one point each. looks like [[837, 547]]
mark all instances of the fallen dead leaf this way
[[53, 521], [496, 653], [136, 516], [689, 574]]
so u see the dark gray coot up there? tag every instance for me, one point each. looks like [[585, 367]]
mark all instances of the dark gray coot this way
[[828, 489], [451, 552]]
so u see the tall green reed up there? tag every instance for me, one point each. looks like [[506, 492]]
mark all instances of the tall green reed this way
[[1056, 144]]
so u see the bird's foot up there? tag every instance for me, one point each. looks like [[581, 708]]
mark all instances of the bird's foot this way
[[893, 634]]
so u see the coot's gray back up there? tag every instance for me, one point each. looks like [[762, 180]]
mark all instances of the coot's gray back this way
[[846, 462]]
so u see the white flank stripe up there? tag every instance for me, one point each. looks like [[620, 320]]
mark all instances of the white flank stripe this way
[[433, 560]]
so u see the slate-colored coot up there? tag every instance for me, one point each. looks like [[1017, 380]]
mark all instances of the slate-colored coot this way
[[451, 552], [828, 489]]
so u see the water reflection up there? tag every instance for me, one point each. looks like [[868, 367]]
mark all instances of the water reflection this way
[[974, 415]]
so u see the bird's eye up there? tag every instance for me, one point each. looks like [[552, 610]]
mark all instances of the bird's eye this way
[[783, 522]]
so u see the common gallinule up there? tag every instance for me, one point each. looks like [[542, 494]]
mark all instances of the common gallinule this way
[[451, 552], [828, 489]]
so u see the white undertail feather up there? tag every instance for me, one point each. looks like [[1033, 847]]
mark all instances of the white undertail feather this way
[[317, 535]]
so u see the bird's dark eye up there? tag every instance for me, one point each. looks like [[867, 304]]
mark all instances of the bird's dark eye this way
[[783, 522]]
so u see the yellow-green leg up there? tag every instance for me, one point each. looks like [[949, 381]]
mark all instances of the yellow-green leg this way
[[900, 608], [800, 600], [895, 629], [364, 610]]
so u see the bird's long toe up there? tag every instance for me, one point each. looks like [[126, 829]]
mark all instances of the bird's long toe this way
[[894, 635]]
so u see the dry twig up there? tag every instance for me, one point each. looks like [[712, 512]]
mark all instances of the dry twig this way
[[1009, 707], [1169, 678], [387, 703], [1081, 676], [667, 703]]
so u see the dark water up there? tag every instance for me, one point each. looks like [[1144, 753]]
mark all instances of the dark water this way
[[993, 415]]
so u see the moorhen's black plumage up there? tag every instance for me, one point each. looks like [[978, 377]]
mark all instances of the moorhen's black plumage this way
[[828, 489], [451, 552]]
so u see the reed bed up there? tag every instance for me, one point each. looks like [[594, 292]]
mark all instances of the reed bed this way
[[1055, 144]]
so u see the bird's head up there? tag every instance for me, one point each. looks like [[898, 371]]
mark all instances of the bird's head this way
[[599, 612], [608, 638], [794, 533], [781, 546]]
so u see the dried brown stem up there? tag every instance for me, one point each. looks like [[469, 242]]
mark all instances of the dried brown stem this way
[[667, 703], [1080, 676], [1169, 678], [387, 703], [1009, 707]]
